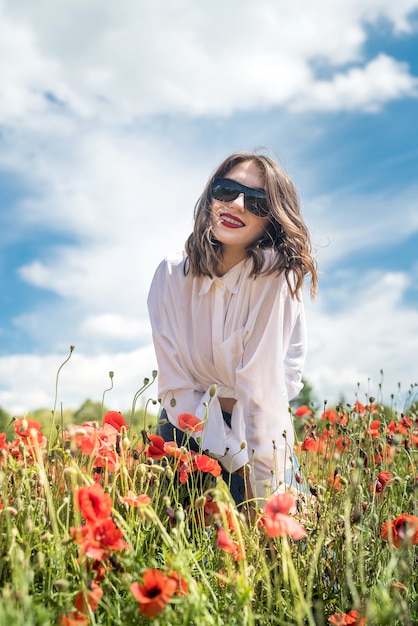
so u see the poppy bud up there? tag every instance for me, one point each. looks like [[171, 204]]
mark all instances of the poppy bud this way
[[200, 502]]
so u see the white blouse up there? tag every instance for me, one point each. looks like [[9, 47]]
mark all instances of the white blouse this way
[[247, 337]]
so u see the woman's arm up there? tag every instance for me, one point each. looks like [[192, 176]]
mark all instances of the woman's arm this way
[[271, 371]]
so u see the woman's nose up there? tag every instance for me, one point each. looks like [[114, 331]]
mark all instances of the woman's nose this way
[[239, 203]]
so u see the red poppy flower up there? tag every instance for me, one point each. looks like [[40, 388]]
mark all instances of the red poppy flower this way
[[86, 438], [98, 540], [154, 593], [171, 448], [276, 518], [225, 542], [94, 503], [359, 408], [374, 429], [335, 480], [136, 501], [155, 449], [115, 419], [190, 422], [384, 478], [23, 426], [310, 444], [385, 455], [347, 618], [342, 443], [184, 471], [212, 509], [106, 457], [400, 531], [206, 464], [182, 587], [303, 410], [89, 598]]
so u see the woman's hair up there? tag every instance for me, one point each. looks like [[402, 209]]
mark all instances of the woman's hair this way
[[286, 233]]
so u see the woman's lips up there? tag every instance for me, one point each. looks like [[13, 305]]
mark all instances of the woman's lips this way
[[230, 221]]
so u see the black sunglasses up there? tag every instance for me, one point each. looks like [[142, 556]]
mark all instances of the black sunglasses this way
[[226, 190]]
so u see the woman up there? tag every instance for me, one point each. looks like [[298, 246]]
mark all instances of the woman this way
[[228, 324]]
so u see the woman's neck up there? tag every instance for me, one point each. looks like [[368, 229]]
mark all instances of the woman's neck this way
[[229, 259]]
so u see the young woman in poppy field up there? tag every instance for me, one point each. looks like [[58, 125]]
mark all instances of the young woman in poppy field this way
[[228, 325]]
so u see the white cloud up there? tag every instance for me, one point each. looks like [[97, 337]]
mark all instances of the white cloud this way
[[367, 88], [361, 328], [28, 381], [101, 61], [108, 326]]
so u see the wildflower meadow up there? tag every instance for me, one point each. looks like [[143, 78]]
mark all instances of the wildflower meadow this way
[[105, 523]]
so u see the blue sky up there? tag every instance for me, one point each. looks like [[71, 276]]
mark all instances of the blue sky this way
[[113, 117]]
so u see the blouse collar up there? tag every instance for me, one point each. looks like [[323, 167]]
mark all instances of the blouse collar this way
[[230, 280]]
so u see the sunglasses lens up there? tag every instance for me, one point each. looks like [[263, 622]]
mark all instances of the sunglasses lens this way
[[257, 206], [227, 190]]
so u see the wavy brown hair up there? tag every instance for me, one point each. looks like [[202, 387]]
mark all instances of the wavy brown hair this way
[[286, 234]]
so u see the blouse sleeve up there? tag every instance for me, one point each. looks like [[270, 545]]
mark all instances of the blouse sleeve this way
[[270, 375], [176, 381]]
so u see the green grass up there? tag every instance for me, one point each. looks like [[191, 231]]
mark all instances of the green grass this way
[[343, 564]]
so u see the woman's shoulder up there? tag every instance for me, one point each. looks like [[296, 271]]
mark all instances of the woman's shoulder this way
[[173, 263]]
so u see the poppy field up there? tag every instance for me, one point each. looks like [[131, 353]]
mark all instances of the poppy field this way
[[104, 523]]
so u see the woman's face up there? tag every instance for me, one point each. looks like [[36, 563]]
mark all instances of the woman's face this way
[[234, 226]]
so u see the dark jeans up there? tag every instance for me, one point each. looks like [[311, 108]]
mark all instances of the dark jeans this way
[[170, 433]]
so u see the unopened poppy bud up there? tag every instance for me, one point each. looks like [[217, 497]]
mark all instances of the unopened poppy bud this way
[[28, 525], [125, 443], [200, 502], [212, 391], [146, 381], [61, 584], [39, 560], [142, 469], [70, 471], [154, 373], [23, 425], [173, 402], [111, 375], [147, 513], [179, 515], [13, 511], [243, 445]]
